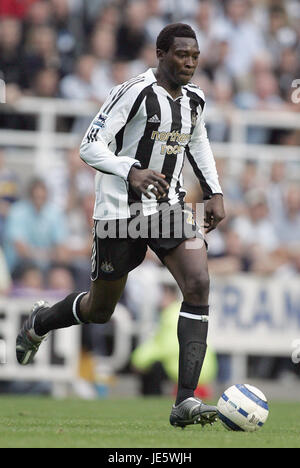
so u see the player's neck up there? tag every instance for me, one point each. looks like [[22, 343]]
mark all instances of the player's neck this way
[[162, 80]]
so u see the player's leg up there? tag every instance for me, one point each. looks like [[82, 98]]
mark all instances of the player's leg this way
[[112, 259], [99, 304], [190, 270], [95, 306]]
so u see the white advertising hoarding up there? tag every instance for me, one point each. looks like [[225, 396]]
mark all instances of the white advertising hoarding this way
[[249, 315], [254, 315], [57, 359]]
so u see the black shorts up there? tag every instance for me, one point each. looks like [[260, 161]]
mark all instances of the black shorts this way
[[119, 246]]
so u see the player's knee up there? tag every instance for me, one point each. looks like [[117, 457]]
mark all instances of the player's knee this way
[[196, 289], [100, 315]]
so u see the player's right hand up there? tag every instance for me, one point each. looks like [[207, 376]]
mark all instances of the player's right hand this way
[[140, 179]]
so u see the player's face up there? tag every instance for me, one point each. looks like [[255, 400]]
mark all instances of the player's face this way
[[181, 60]]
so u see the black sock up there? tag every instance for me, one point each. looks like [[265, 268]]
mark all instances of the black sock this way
[[192, 334], [63, 314]]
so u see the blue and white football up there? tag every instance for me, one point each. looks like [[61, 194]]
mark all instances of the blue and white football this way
[[243, 407]]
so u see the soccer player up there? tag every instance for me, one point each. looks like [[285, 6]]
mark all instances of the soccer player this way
[[137, 144]]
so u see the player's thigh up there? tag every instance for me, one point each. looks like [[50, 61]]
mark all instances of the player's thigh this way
[[188, 265]]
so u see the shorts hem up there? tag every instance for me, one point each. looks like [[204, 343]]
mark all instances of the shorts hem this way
[[116, 276]]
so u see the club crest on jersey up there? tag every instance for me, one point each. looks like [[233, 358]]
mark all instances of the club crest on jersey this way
[[99, 122]]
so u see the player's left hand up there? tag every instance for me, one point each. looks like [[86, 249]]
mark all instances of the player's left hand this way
[[214, 212]]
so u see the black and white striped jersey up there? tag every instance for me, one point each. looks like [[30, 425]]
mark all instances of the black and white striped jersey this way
[[141, 123]]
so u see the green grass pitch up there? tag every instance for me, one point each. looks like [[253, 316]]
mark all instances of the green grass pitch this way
[[129, 423]]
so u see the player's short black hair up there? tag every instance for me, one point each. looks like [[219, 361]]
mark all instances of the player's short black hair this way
[[166, 37]]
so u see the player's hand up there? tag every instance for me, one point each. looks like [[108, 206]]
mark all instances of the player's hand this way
[[141, 179], [214, 212]]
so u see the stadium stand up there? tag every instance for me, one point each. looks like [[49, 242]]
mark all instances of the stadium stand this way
[[60, 58]]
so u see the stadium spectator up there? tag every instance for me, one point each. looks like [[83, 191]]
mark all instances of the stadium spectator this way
[[27, 279], [5, 277], [265, 96], [233, 258], [156, 20], [280, 33], [35, 230], [79, 222], [69, 31], [244, 38], [71, 189], [10, 50], [255, 227], [120, 71], [9, 191], [89, 72], [222, 96], [215, 65], [95, 10], [45, 84], [262, 64], [39, 13], [258, 234], [145, 277], [79, 85], [82, 84], [175, 10], [146, 59], [276, 191], [103, 44], [290, 269], [202, 23], [288, 225], [41, 51], [103, 48], [15, 8], [131, 34], [237, 187], [59, 278], [110, 14], [70, 180], [287, 71]]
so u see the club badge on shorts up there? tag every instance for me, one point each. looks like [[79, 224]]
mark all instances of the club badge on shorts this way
[[107, 267]]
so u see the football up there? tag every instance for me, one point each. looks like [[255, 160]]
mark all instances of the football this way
[[243, 407]]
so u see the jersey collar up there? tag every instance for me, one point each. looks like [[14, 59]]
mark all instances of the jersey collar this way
[[152, 78]]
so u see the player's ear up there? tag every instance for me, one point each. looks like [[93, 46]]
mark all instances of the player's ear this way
[[160, 54]]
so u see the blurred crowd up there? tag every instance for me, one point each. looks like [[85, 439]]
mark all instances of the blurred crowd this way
[[80, 49]]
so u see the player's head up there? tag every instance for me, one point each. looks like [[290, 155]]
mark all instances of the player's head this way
[[178, 52]]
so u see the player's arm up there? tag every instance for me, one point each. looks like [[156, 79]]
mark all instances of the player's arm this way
[[95, 151], [201, 157]]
